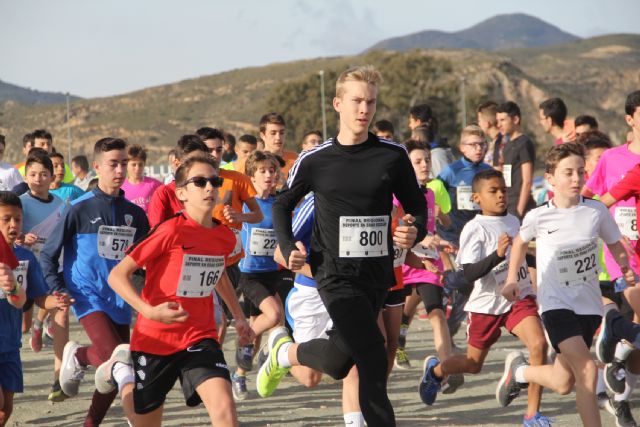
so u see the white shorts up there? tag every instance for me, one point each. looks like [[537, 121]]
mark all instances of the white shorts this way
[[306, 314]]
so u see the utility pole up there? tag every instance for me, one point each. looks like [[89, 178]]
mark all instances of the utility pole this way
[[68, 128], [322, 107]]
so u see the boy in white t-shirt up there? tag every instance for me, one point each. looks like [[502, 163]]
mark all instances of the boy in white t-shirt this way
[[566, 230], [484, 247]]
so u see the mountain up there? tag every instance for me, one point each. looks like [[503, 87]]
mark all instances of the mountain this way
[[497, 33], [592, 75], [10, 92]]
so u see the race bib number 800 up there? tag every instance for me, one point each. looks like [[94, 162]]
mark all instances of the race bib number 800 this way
[[363, 236], [199, 275]]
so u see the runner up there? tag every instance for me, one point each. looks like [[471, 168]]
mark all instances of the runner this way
[[80, 168], [486, 115], [484, 248], [384, 129], [245, 145], [552, 114], [174, 336], [311, 140], [138, 188], [519, 156], [9, 176], [584, 123], [94, 232], [351, 249], [566, 230], [260, 276], [67, 192], [273, 134], [423, 120], [40, 138], [25, 282]]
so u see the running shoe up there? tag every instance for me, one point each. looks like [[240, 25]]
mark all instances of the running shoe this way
[[602, 398], [538, 420], [271, 372], [56, 394], [244, 356], [402, 360], [606, 343], [614, 376], [621, 411], [452, 383], [48, 327], [263, 354], [508, 389], [239, 387], [71, 372], [429, 385], [35, 341], [105, 383]]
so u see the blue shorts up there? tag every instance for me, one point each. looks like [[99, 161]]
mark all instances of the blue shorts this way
[[11, 371]]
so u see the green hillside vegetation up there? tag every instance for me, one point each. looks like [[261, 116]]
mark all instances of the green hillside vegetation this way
[[593, 76]]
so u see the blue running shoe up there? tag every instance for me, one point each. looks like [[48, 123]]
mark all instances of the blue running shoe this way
[[538, 420], [430, 385]]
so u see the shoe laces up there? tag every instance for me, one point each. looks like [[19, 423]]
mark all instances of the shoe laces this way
[[540, 420], [78, 375]]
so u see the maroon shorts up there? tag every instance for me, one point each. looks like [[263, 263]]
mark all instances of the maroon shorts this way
[[483, 330]]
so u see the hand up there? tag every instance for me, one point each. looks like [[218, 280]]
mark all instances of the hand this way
[[629, 276], [405, 235], [7, 280], [431, 241], [510, 291], [429, 266], [230, 214], [447, 246], [244, 331], [167, 313], [63, 301], [297, 257], [30, 239], [503, 244]]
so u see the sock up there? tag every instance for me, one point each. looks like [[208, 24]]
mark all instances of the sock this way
[[520, 374], [629, 385], [353, 419], [622, 351], [122, 374], [283, 355], [600, 385], [37, 324]]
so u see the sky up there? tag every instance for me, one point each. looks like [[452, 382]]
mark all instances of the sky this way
[[97, 48]]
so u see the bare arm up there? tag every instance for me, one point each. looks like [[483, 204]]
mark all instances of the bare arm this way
[[620, 255], [525, 190], [518, 251], [252, 217], [305, 270], [607, 199]]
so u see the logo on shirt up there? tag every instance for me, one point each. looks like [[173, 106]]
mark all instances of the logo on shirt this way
[[128, 219], [94, 220], [185, 248], [552, 231]]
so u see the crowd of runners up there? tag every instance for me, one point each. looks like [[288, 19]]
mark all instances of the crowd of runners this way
[[320, 261]]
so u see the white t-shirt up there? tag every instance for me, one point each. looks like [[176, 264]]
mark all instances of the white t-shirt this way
[[567, 253], [478, 240], [9, 177]]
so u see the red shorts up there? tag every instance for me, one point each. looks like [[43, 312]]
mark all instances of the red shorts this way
[[483, 330]]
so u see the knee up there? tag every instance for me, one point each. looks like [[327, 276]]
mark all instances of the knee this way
[[275, 315], [563, 388], [338, 367], [473, 367], [5, 413]]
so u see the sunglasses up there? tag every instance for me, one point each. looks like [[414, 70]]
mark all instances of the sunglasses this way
[[217, 150], [201, 181]]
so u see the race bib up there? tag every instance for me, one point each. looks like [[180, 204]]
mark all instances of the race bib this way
[[262, 242], [399, 255], [199, 275], [114, 240], [363, 236], [425, 251], [238, 247], [578, 266], [501, 271], [463, 197], [506, 172], [20, 274], [626, 219]]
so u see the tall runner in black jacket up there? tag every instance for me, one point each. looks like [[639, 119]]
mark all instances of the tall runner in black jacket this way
[[353, 177]]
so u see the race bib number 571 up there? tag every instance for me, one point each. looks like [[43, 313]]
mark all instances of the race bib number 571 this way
[[114, 240], [363, 236]]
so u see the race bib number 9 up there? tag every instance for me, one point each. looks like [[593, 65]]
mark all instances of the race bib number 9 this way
[[627, 223], [399, 255], [578, 266], [114, 240], [238, 247], [262, 242], [199, 275], [363, 236], [20, 274], [463, 197]]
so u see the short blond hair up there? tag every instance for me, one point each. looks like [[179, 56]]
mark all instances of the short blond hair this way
[[364, 73], [472, 130]]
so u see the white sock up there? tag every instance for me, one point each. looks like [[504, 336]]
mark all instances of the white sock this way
[[353, 419], [600, 385], [629, 385], [283, 355], [520, 374], [122, 374], [622, 350]]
